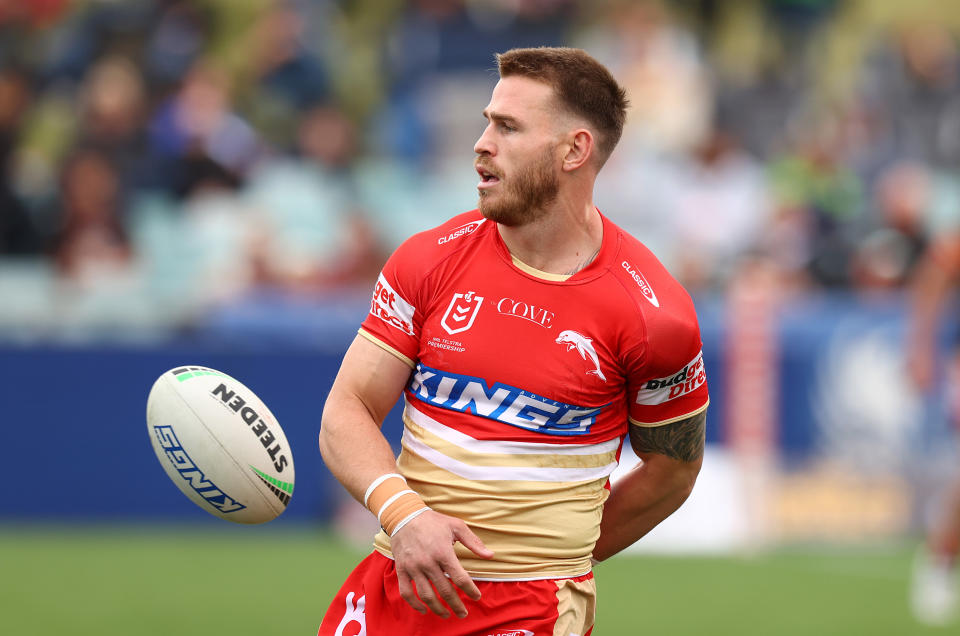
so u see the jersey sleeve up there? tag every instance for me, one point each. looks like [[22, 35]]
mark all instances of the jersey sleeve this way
[[400, 297], [394, 320], [666, 377]]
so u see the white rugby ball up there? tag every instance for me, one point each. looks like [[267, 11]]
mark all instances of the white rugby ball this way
[[220, 444]]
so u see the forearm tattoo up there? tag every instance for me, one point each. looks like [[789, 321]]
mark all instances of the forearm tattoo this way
[[682, 440]]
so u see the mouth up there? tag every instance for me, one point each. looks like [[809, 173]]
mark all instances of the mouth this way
[[487, 178]]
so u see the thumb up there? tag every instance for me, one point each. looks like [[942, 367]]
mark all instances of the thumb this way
[[465, 536]]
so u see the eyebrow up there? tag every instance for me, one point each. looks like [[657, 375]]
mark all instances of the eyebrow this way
[[492, 115]]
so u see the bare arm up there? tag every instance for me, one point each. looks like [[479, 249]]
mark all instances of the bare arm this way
[[368, 385], [354, 449], [931, 284], [671, 458]]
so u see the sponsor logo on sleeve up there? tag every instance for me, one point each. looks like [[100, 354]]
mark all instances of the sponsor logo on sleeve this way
[[641, 282], [391, 308], [463, 230], [686, 380]]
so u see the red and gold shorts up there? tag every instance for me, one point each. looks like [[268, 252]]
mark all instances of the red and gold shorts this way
[[369, 604]]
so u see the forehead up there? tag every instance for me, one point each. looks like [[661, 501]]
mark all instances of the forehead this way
[[521, 98]]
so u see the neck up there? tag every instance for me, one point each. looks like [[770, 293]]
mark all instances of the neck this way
[[563, 241]]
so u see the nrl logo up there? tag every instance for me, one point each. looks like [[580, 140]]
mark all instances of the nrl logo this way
[[461, 312], [584, 346]]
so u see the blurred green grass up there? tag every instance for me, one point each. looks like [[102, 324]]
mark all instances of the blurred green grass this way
[[139, 581]]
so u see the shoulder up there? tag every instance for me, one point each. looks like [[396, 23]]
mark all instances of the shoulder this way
[[434, 244], [645, 279], [403, 289], [412, 263], [663, 316]]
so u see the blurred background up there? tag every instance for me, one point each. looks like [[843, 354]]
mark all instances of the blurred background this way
[[218, 182]]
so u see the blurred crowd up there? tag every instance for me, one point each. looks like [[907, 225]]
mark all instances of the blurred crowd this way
[[159, 157]]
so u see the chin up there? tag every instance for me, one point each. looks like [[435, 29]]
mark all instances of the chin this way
[[495, 213], [511, 217]]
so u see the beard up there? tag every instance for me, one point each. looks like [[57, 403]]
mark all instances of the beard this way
[[526, 196]]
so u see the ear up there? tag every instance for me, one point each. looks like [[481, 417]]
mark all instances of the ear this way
[[580, 148]]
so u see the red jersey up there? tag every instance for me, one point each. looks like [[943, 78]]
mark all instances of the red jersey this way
[[524, 382]]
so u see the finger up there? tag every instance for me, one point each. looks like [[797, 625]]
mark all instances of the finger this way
[[429, 596], [408, 594], [461, 579], [465, 536], [449, 594]]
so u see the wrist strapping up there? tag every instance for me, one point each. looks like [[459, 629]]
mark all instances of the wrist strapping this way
[[392, 501]]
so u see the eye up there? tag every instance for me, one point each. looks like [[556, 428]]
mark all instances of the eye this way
[[505, 127]]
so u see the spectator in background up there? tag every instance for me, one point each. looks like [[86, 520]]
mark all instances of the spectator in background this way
[[178, 36], [430, 43], [288, 77], [887, 255], [818, 196], [313, 235], [720, 206], [113, 109], [198, 136], [92, 242], [17, 232], [659, 59], [913, 78]]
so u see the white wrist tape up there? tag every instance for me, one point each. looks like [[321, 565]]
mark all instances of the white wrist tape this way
[[409, 518], [386, 504], [376, 482], [392, 501]]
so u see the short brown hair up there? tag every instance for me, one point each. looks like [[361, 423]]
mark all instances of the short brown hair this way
[[583, 85]]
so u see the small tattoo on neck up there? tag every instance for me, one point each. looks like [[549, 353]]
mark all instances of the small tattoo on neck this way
[[583, 264]]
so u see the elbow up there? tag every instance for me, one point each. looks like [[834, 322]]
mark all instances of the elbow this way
[[687, 477], [685, 488], [683, 478], [323, 443], [324, 440], [676, 477]]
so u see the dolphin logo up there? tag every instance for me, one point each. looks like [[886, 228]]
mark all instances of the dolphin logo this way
[[584, 347]]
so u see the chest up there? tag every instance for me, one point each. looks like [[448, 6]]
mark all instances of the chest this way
[[509, 334]]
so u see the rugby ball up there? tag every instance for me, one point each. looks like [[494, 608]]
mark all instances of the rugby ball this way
[[220, 444]]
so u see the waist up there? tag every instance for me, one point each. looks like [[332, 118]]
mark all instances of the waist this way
[[534, 531], [505, 569]]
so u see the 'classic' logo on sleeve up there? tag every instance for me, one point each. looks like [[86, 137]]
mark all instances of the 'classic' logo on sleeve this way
[[641, 282]]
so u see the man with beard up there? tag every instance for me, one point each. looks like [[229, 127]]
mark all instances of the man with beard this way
[[528, 338]]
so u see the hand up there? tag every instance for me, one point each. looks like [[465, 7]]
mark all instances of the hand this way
[[424, 557]]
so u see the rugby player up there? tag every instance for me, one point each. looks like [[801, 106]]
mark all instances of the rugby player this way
[[934, 593], [529, 338]]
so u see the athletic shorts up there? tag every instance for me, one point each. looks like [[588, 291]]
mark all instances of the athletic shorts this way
[[369, 604]]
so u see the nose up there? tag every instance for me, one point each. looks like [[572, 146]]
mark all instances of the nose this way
[[485, 145]]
